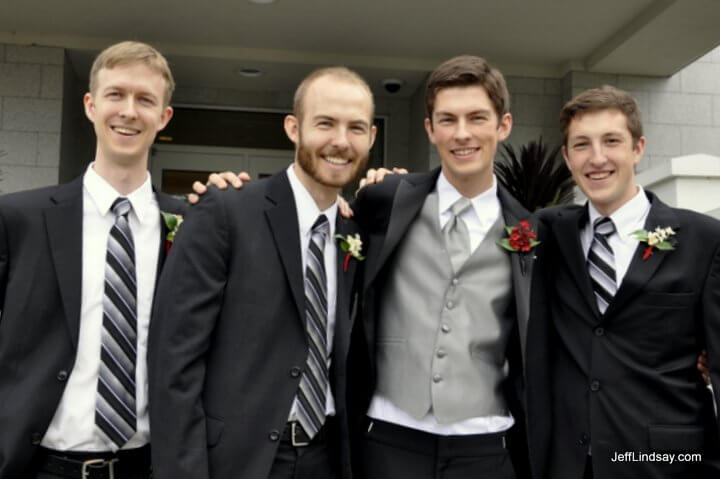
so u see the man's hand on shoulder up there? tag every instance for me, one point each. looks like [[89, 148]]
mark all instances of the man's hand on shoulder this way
[[374, 176], [221, 181]]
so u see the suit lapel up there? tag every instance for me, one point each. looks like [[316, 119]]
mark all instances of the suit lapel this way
[[344, 287], [640, 270], [567, 230], [282, 218], [64, 224], [407, 203]]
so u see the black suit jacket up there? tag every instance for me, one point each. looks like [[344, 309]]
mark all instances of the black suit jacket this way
[[228, 341], [40, 288], [385, 212], [624, 381]]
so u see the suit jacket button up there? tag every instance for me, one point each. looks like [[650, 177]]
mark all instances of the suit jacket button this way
[[295, 372], [583, 440], [274, 435], [36, 438], [62, 375], [595, 385], [599, 331]]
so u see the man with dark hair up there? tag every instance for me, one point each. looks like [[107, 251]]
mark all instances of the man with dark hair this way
[[437, 362], [626, 295], [78, 265], [252, 325]]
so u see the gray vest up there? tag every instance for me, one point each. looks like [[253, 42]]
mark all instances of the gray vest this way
[[442, 337]]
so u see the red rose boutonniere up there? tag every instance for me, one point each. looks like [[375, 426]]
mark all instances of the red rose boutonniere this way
[[173, 222], [521, 239], [351, 245], [662, 239]]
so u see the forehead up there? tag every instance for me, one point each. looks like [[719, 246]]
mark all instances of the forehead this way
[[462, 99], [338, 98], [599, 122], [135, 75]]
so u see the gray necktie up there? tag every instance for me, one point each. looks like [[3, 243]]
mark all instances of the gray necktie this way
[[115, 413], [601, 263], [457, 238]]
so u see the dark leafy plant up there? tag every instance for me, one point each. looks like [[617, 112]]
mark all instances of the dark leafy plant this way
[[537, 177]]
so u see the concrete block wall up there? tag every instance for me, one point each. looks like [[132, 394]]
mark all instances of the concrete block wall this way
[[681, 114], [31, 89]]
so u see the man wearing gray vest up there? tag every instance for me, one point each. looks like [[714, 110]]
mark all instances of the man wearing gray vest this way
[[436, 362]]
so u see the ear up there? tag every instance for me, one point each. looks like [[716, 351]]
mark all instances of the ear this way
[[166, 115], [373, 134], [292, 128], [565, 157], [505, 126], [89, 105], [639, 149], [429, 130]]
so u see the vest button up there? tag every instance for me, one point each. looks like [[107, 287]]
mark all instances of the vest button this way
[[455, 281], [445, 328], [437, 378], [274, 435], [441, 353], [595, 386], [450, 305], [62, 375], [599, 331]]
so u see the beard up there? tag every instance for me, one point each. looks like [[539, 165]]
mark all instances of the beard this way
[[309, 161]]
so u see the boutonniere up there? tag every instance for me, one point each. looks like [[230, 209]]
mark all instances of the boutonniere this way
[[351, 245], [173, 222], [662, 239], [521, 239]]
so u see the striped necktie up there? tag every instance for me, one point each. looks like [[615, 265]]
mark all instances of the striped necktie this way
[[601, 263], [312, 394], [115, 412]]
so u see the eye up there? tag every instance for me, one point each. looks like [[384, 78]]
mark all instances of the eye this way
[[360, 129], [112, 94], [145, 100], [445, 121], [579, 145], [613, 141], [479, 118]]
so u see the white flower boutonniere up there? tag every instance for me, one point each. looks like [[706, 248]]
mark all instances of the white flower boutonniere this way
[[173, 222], [351, 245], [661, 238]]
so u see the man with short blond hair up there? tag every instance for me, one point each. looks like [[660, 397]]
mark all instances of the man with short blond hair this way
[[78, 265]]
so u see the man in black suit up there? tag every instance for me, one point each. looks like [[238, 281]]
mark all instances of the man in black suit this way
[[436, 362], [252, 326], [627, 294], [69, 289]]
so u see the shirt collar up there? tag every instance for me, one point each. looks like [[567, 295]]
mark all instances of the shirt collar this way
[[485, 205], [629, 218], [103, 195], [307, 209]]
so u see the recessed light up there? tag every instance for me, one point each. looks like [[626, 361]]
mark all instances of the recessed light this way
[[262, 2], [249, 72]]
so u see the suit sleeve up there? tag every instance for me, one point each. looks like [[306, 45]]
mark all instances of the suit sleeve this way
[[4, 262], [187, 304], [711, 322]]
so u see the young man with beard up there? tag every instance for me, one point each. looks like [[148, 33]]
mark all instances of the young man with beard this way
[[627, 294], [78, 266], [252, 326]]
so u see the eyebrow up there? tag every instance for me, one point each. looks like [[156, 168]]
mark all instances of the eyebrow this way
[[474, 112]]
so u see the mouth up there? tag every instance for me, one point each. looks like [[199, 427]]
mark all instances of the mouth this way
[[464, 152], [336, 160], [125, 131], [599, 175]]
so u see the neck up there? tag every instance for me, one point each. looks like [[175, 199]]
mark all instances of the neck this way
[[470, 187], [323, 195], [125, 177]]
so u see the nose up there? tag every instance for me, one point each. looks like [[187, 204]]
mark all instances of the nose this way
[[597, 157], [128, 108], [461, 131], [340, 140]]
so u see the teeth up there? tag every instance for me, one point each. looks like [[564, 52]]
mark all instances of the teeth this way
[[599, 175], [464, 151], [125, 131], [337, 161]]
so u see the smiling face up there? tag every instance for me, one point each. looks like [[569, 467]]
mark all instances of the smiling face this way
[[127, 109], [601, 156], [466, 131], [333, 135]]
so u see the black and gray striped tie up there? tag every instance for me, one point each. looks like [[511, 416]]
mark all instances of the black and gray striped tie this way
[[115, 412], [312, 394], [601, 263]]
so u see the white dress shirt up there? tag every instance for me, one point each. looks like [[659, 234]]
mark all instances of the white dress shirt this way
[[307, 213], [73, 426], [479, 219], [629, 218]]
